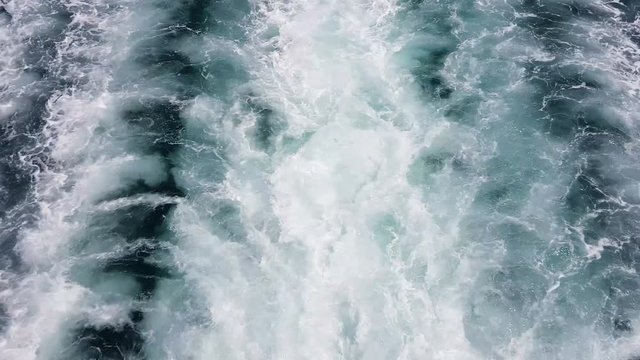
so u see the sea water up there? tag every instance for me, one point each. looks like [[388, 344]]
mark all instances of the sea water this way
[[319, 179]]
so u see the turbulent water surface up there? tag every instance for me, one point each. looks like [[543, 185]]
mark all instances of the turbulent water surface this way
[[319, 179]]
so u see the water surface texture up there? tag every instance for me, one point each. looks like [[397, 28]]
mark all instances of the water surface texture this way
[[319, 179]]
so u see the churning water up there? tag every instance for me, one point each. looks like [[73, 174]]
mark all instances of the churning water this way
[[319, 179]]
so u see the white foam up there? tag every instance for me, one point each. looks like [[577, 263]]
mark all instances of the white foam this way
[[337, 240], [89, 153]]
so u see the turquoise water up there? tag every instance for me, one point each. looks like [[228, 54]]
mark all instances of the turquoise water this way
[[319, 179]]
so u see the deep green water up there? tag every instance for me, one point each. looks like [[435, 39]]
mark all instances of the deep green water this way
[[319, 179]]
